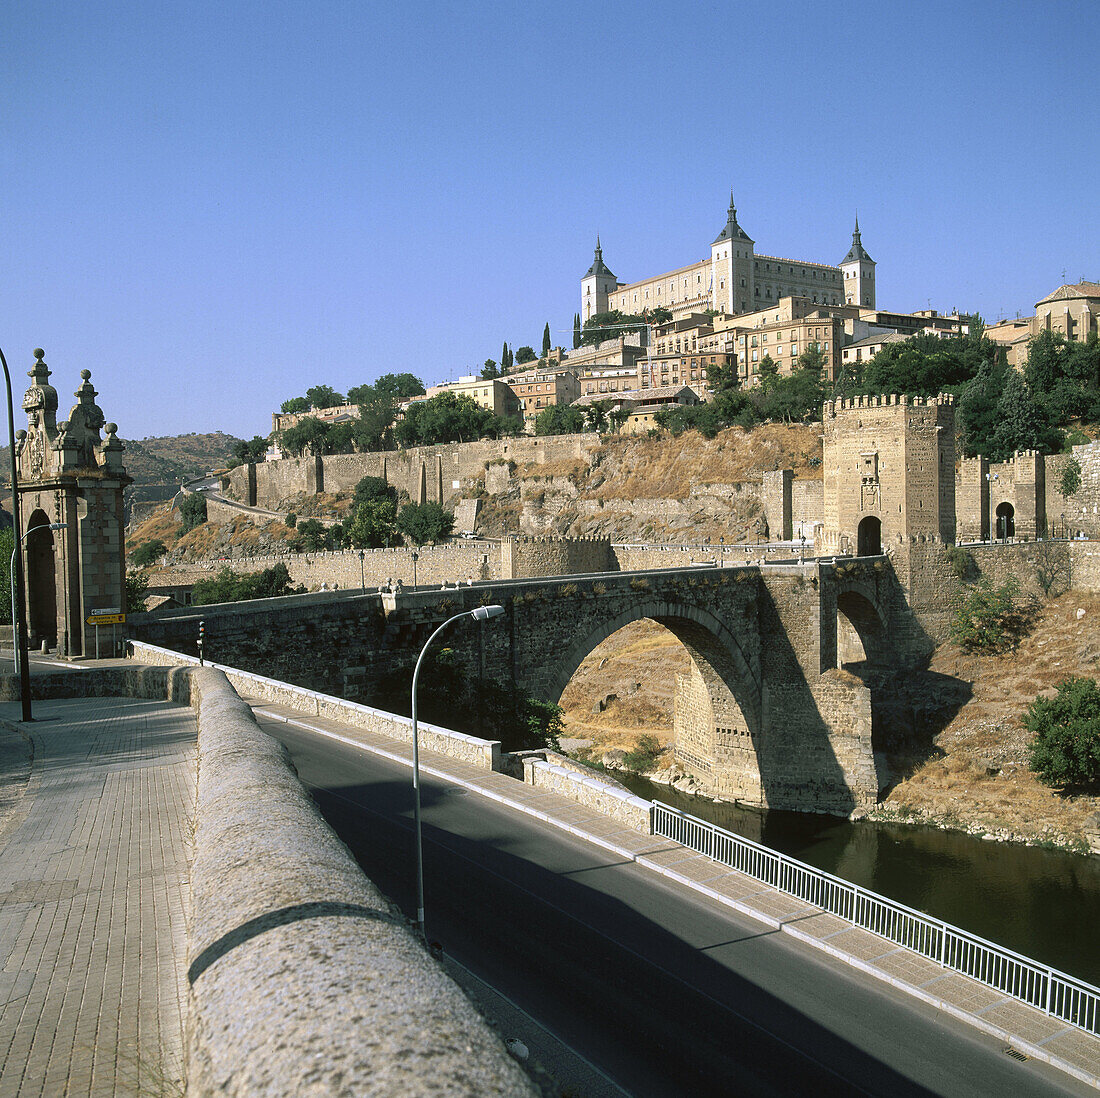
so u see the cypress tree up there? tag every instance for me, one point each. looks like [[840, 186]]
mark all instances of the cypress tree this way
[[576, 330], [504, 357], [546, 340]]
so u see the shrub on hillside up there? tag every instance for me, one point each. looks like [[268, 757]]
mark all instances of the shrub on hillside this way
[[424, 522], [192, 511], [148, 552], [989, 620], [230, 586], [1066, 747]]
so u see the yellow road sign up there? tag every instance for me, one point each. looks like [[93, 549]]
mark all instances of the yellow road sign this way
[[105, 619]]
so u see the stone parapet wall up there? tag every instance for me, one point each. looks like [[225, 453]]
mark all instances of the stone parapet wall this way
[[609, 800], [288, 937], [484, 754], [283, 926], [644, 558]]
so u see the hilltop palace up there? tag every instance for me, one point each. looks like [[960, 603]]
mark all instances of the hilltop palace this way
[[734, 280]]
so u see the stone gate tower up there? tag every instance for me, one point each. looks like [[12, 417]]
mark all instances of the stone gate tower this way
[[68, 474], [888, 473]]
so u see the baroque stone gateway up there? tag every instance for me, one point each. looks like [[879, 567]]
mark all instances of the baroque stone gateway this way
[[70, 475]]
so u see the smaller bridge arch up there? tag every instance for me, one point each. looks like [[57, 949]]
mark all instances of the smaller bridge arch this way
[[862, 628]]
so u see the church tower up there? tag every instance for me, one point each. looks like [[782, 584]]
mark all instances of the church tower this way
[[859, 274], [597, 283], [732, 286]]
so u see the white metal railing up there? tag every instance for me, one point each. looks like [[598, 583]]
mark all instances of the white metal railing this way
[[1061, 996]]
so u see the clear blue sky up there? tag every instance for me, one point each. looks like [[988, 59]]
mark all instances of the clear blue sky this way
[[213, 206]]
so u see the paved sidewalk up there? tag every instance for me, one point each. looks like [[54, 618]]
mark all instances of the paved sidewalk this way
[[93, 887], [1024, 1028]]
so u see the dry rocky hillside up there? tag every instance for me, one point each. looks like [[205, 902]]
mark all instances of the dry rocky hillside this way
[[655, 489], [953, 737]]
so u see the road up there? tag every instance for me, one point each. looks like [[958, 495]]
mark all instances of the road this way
[[667, 992]]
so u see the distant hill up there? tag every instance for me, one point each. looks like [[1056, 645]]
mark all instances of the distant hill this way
[[166, 460], [176, 457]]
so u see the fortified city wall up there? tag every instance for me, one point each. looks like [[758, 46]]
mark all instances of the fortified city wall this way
[[425, 473], [454, 562]]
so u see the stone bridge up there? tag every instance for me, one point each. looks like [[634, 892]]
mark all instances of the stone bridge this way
[[767, 715]]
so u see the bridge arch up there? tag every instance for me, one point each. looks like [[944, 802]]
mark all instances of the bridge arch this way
[[718, 709], [862, 629]]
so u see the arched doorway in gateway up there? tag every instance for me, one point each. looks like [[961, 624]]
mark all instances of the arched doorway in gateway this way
[[869, 537]]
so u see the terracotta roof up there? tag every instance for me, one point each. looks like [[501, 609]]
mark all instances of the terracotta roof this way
[[1071, 291]]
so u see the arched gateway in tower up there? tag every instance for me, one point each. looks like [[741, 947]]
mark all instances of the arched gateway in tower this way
[[69, 475]]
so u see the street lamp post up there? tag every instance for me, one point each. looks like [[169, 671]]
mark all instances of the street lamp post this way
[[362, 574], [479, 614], [990, 478], [415, 558], [19, 634], [11, 572]]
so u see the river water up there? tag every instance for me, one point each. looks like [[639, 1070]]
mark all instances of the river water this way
[[1044, 904]]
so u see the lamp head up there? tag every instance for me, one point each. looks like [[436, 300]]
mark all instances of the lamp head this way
[[482, 613], [59, 525]]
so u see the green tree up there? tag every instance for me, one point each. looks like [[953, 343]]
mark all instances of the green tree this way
[[192, 510], [312, 536], [769, 371], [137, 591], [595, 415], [399, 387], [1070, 480], [486, 709], [559, 419], [372, 524], [610, 325], [526, 354], [241, 452], [576, 330], [148, 552], [1065, 750], [7, 547], [505, 358], [295, 404], [424, 522], [490, 370], [361, 394], [546, 340], [721, 377], [988, 619], [230, 586], [370, 489], [707, 419], [446, 418], [309, 436], [977, 409], [1022, 423], [324, 396]]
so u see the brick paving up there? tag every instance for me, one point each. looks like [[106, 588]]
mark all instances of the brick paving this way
[[93, 890]]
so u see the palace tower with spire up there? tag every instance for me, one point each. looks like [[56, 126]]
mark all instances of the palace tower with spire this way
[[735, 279]]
